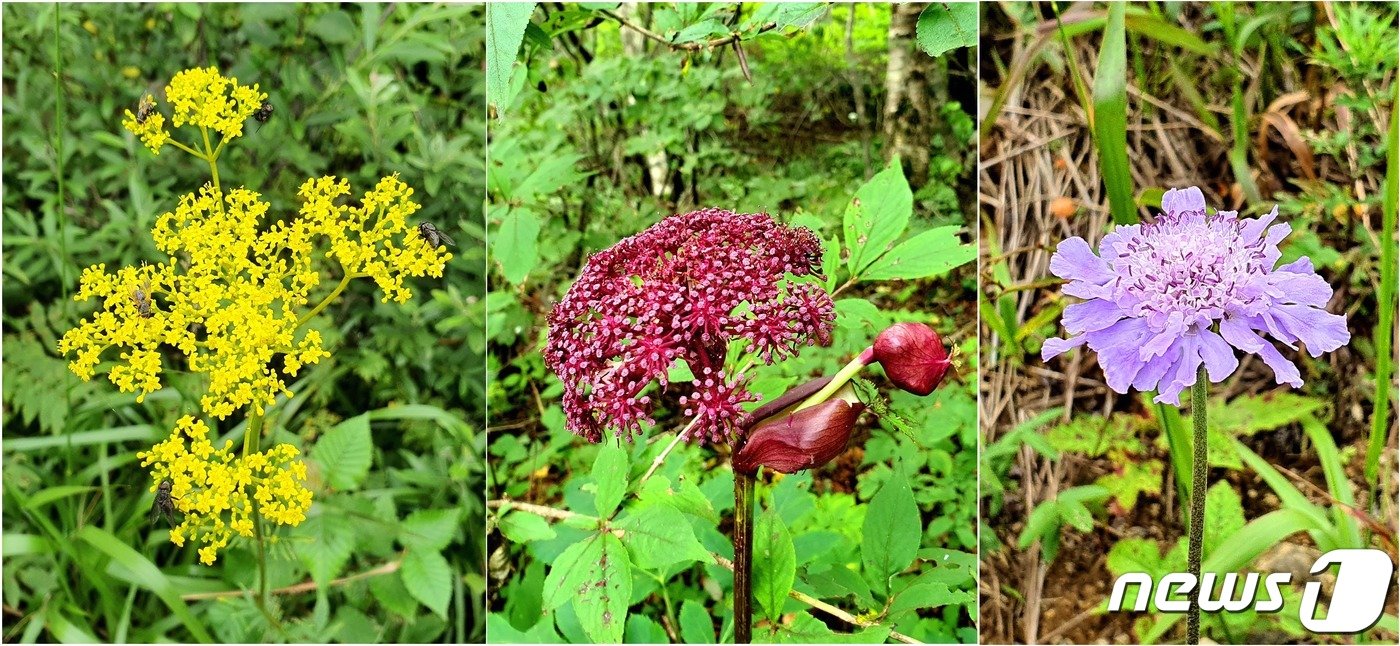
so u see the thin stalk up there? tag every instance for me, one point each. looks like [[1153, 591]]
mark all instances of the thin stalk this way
[[1198, 503], [1385, 306], [344, 281], [862, 360], [252, 438], [743, 558]]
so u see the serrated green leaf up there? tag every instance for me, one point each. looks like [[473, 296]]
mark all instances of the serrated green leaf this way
[[569, 570], [521, 527], [324, 547], [877, 216], [928, 254], [430, 529], [684, 496], [891, 533], [601, 604], [775, 564], [516, 244], [609, 478], [928, 595], [659, 535], [945, 26], [390, 592], [345, 453], [505, 29], [428, 577], [696, 625]]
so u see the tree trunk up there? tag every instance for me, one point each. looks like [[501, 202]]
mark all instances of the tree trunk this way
[[909, 115]]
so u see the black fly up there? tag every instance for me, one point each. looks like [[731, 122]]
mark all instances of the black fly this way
[[145, 109], [432, 236], [264, 112], [164, 504]]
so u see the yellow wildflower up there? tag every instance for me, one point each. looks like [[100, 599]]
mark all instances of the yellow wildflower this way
[[150, 129], [205, 98], [210, 487]]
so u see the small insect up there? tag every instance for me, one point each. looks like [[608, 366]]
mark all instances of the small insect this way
[[142, 297], [164, 504], [145, 109], [263, 113], [432, 236]]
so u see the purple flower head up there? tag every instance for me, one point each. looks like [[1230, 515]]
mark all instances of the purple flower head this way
[[1165, 297], [685, 289]]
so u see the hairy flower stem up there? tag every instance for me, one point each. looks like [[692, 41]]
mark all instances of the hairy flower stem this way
[[743, 558], [1198, 504]]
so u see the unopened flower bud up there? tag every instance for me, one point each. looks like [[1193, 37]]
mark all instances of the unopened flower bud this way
[[913, 357], [789, 441]]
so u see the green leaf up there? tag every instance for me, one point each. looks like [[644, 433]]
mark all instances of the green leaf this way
[[684, 496], [505, 28], [328, 549], [390, 592], [891, 533], [134, 568], [1135, 478], [567, 574], [1042, 521], [876, 216], [928, 254], [945, 26], [775, 564], [430, 529], [806, 629], [523, 528], [428, 577], [696, 625], [601, 604], [345, 453], [334, 27], [610, 478], [928, 595], [1111, 117], [516, 244], [784, 15], [660, 535], [503, 632]]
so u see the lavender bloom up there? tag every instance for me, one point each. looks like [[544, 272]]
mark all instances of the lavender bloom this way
[[1155, 292]]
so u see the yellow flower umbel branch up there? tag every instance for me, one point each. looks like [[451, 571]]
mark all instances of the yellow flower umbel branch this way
[[234, 298]]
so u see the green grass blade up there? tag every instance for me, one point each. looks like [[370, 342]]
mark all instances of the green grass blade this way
[[1111, 117], [135, 568], [1334, 469], [1178, 444], [1385, 304], [1239, 550], [1289, 495]]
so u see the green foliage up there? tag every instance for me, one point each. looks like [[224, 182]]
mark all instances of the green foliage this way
[[947, 26], [394, 416]]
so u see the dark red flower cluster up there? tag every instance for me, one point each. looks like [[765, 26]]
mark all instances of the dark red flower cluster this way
[[684, 289]]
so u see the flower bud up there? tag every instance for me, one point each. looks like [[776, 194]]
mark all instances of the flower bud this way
[[788, 441], [913, 357]]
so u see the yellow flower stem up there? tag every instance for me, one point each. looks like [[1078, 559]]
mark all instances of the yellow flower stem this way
[[213, 160], [187, 149], [252, 438], [220, 148], [327, 300]]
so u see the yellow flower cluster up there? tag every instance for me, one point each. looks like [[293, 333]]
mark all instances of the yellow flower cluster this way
[[218, 493], [235, 293], [365, 240], [201, 97], [151, 128]]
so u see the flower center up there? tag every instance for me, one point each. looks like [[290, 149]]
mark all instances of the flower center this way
[[1189, 263]]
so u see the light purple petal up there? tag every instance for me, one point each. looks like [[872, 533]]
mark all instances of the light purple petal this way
[[1238, 333], [1284, 370], [1117, 348], [1319, 330], [1304, 289], [1254, 227], [1091, 316], [1220, 359], [1054, 347], [1074, 260], [1158, 344], [1153, 371], [1303, 265], [1184, 200], [1183, 374]]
